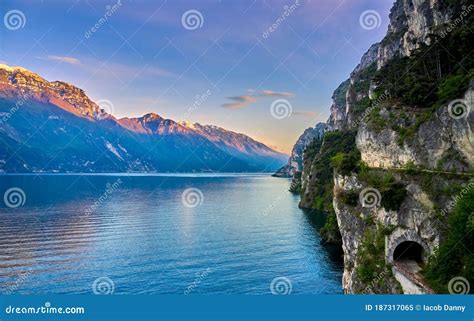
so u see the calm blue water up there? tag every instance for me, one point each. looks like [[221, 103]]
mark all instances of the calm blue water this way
[[243, 232]]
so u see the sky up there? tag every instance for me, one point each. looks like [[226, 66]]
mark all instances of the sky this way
[[266, 68]]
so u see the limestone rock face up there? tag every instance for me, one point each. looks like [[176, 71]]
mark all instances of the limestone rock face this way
[[411, 21], [415, 221], [295, 162], [338, 108], [442, 138], [368, 58], [442, 142]]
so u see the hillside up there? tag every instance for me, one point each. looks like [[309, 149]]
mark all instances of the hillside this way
[[394, 170]]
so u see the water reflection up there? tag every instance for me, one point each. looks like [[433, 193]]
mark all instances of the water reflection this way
[[144, 238]]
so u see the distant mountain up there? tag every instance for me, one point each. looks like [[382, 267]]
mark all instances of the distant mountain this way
[[295, 162], [241, 146], [54, 127]]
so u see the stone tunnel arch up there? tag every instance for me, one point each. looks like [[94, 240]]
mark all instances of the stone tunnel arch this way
[[407, 244]]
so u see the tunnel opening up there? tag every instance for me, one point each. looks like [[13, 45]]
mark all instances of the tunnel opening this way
[[409, 250]]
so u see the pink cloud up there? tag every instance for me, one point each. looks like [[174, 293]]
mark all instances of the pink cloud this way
[[65, 59]]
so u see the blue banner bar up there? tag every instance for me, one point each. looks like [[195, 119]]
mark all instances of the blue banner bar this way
[[194, 307]]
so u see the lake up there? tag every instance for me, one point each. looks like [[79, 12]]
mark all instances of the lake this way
[[161, 234]]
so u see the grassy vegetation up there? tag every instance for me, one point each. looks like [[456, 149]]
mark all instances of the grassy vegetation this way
[[345, 163], [375, 120], [371, 255], [393, 192], [454, 257], [372, 270]]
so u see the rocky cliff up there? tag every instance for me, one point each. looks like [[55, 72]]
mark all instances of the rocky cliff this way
[[411, 23], [440, 142], [398, 151], [295, 162]]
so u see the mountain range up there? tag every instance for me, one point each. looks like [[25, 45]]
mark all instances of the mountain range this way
[[55, 127]]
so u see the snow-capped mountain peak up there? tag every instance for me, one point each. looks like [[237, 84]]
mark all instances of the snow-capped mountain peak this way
[[61, 117]]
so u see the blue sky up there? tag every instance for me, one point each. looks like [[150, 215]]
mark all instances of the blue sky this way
[[144, 58]]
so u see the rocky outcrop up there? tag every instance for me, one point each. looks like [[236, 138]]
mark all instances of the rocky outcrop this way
[[411, 22], [295, 162], [441, 143], [367, 59], [338, 109]]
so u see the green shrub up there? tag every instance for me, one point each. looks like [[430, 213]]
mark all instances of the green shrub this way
[[454, 257], [393, 196], [350, 198], [393, 193], [451, 87], [371, 255], [346, 163], [410, 167], [433, 74], [330, 231]]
